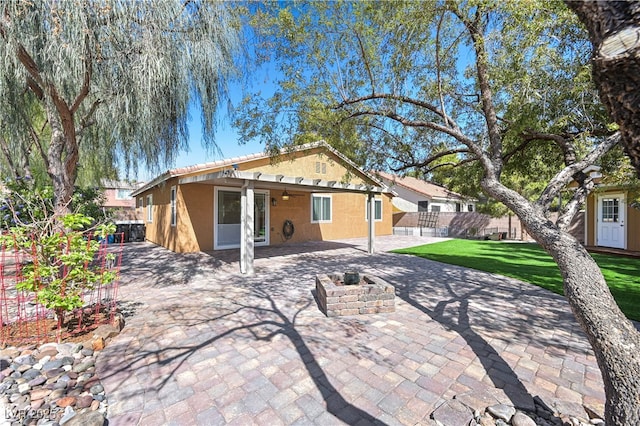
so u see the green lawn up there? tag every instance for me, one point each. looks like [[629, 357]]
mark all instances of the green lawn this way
[[529, 263]]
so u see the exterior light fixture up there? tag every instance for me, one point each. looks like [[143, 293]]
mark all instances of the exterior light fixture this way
[[285, 195]]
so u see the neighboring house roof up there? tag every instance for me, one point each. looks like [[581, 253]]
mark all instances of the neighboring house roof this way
[[182, 171], [421, 187], [119, 184]]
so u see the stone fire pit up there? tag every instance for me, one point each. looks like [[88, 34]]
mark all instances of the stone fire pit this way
[[372, 295]]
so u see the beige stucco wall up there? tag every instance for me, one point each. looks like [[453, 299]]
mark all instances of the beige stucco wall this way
[[590, 239], [195, 206], [306, 164], [348, 218], [633, 229], [194, 227]]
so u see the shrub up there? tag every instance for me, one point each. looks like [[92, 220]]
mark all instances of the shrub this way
[[62, 264]]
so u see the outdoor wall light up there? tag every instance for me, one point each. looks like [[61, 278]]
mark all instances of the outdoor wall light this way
[[285, 195], [274, 202]]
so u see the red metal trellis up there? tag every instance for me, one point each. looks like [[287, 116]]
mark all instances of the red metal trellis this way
[[24, 321]]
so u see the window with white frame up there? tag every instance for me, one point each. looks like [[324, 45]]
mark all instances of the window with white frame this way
[[610, 210], [149, 208], [435, 208], [174, 213], [141, 203], [470, 207], [423, 206], [377, 207], [321, 168], [320, 208], [123, 194]]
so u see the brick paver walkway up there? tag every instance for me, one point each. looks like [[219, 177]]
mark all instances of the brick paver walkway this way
[[206, 345]]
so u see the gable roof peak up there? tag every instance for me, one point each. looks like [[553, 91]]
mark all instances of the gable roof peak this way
[[420, 186], [289, 149]]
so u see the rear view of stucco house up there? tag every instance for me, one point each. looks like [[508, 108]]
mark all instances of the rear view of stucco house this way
[[417, 195], [311, 192]]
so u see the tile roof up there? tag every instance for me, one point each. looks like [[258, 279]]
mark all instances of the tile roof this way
[[120, 184], [418, 185], [181, 171]]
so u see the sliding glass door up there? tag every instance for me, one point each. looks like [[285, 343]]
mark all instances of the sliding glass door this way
[[227, 220]]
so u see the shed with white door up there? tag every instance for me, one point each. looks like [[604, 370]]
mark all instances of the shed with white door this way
[[611, 220]]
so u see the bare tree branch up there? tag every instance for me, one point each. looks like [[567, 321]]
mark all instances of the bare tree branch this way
[[565, 144], [564, 177], [439, 76], [506, 157], [486, 94], [432, 158], [428, 168], [416, 123], [6, 152], [366, 63], [87, 120], [404, 99], [575, 203]]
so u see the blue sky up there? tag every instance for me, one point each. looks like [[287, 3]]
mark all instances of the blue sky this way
[[227, 139]]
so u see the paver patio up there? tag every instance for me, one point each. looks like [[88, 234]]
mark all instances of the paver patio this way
[[206, 345]]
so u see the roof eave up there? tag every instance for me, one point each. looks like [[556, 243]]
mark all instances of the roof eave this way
[[329, 186], [253, 157]]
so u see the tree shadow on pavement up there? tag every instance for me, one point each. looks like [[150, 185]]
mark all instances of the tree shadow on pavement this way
[[250, 312], [199, 307]]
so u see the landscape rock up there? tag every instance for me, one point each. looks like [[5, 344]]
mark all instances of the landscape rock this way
[[538, 413], [96, 389], [521, 419], [98, 344], [66, 401], [106, 331], [502, 411], [118, 321], [453, 413], [64, 386], [69, 414], [84, 401]]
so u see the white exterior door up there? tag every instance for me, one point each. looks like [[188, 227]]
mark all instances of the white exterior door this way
[[610, 221]]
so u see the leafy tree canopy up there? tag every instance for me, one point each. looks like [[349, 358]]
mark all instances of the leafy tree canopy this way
[[27, 203], [364, 75], [501, 86], [101, 81]]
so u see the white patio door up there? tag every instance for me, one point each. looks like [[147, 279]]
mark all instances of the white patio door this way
[[227, 211], [610, 221]]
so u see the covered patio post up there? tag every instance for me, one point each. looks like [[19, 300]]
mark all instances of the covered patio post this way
[[371, 205], [246, 228]]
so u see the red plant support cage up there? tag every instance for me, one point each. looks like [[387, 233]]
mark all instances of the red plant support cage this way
[[24, 321]]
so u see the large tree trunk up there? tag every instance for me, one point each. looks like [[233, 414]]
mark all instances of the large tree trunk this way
[[614, 339], [62, 158], [614, 30]]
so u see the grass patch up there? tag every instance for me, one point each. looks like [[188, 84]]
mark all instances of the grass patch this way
[[528, 262]]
